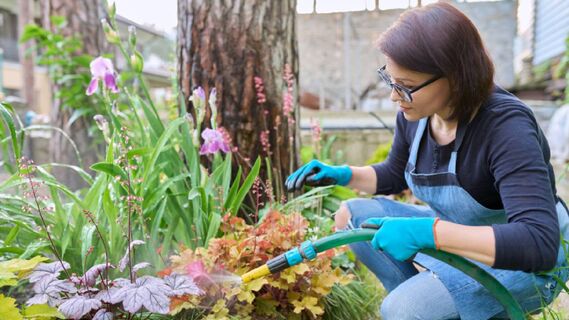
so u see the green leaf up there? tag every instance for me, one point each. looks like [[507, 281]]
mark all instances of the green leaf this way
[[33, 31], [77, 113], [41, 311], [325, 153], [246, 186], [213, 227], [58, 21], [82, 173], [193, 194], [233, 191], [86, 241], [161, 145], [33, 248], [11, 235], [8, 309], [109, 168], [4, 107], [61, 132], [21, 265], [8, 282], [343, 193]]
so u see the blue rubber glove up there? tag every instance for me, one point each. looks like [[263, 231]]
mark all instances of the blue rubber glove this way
[[316, 173], [402, 238]]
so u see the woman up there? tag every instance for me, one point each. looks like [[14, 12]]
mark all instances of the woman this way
[[476, 156]]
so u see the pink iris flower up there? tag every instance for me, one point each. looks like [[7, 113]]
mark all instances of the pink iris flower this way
[[213, 142], [102, 70]]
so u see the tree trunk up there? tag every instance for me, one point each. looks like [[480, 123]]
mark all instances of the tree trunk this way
[[226, 44], [83, 21]]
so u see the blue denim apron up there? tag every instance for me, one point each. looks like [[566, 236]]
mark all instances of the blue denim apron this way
[[443, 193]]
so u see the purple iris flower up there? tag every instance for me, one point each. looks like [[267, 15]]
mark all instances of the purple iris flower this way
[[102, 70], [213, 142]]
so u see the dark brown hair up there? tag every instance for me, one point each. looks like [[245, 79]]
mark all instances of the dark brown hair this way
[[439, 39]]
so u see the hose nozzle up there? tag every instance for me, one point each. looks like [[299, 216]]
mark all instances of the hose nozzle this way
[[290, 258]]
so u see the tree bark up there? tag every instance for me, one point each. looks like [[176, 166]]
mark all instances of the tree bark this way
[[225, 44], [83, 21]]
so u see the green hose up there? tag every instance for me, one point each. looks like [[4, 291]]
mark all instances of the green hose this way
[[308, 250], [499, 292]]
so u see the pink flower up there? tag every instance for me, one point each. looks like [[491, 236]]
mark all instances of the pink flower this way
[[102, 70], [213, 142], [288, 100], [260, 88], [265, 141]]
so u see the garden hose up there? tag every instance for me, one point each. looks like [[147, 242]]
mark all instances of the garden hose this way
[[309, 249]]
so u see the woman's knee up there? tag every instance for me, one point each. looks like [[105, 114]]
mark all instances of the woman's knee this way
[[358, 210], [397, 306], [423, 296]]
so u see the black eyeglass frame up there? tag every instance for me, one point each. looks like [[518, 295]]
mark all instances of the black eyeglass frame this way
[[403, 92]]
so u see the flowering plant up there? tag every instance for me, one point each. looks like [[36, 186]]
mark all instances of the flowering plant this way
[[295, 292], [102, 70], [94, 294]]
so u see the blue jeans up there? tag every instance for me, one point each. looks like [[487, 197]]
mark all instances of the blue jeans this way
[[421, 295]]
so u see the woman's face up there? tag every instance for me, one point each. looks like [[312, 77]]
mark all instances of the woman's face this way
[[427, 101]]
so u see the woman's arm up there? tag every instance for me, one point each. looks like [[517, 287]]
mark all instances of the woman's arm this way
[[363, 179], [477, 243]]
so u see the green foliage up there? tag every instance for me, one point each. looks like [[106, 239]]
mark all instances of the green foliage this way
[[8, 135], [67, 70], [150, 185], [561, 71], [356, 300], [380, 154], [541, 71]]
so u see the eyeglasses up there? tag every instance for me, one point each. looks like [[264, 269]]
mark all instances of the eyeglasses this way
[[403, 92]]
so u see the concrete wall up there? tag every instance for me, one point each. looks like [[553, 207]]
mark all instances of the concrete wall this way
[[322, 53], [12, 79]]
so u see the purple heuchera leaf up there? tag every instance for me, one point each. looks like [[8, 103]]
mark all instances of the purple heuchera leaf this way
[[48, 290], [78, 306], [125, 259], [121, 282], [139, 266], [150, 292], [181, 285], [103, 314], [90, 277], [106, 296], [47, 270], [213, 142], [102, 70]]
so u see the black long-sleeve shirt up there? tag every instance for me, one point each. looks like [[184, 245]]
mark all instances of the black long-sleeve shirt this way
[[503, 163]]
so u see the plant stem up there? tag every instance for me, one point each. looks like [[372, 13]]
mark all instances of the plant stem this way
[[38, 208], [88, 213]]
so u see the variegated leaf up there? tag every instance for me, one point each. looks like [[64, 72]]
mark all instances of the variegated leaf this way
[[90, 277], [181, 285], [47, 270], [78, 306], [126, 259], [103, 314], [148, 292], [106, 295], [48, 290], [140, 266]]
